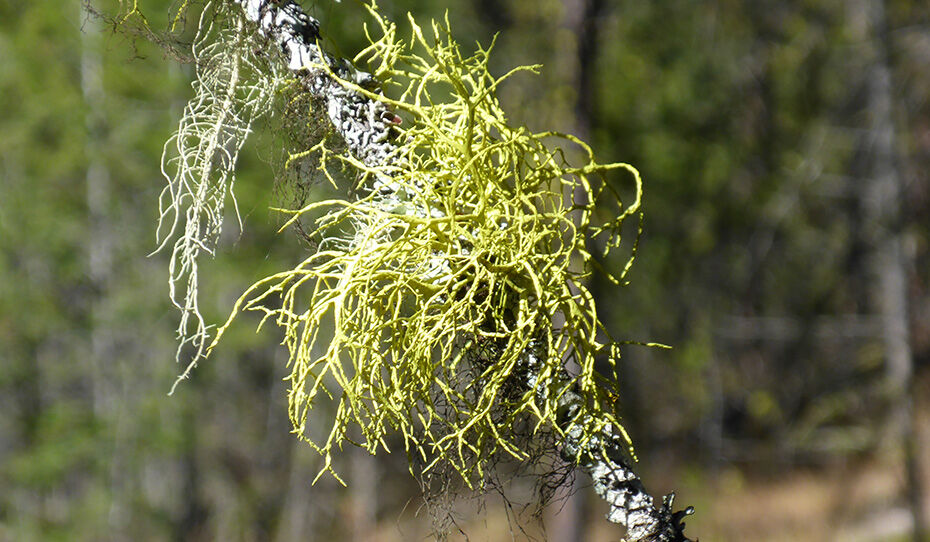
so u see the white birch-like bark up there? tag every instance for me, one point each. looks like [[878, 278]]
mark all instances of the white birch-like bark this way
[[365, 124]]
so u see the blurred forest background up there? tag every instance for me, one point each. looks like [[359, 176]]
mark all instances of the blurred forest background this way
[[785, 147]]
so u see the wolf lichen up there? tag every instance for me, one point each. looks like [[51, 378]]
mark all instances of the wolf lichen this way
[[446, 300]]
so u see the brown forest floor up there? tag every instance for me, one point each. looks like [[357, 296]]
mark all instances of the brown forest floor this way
[[843, 503], [846, 501]]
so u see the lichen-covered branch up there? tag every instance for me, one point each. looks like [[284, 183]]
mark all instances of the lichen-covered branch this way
[[604, 459], [363, 119], [365, 124]]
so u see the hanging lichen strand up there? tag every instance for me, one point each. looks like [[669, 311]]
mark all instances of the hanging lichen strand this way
[[231, 90], [446, 301]]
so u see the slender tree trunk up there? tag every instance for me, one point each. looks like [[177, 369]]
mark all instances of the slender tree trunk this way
[[882, 202], [192, 524], [584, 18], [364, 491], [581, 18], [99, 246], [100, 270], [300, 513]]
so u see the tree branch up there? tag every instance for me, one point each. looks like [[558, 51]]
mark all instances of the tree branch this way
[[365, 124]]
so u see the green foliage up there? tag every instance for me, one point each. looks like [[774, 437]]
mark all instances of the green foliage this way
[[68, 442], [457, 300]]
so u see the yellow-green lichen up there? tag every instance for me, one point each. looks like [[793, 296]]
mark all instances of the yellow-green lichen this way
[[423, 310]]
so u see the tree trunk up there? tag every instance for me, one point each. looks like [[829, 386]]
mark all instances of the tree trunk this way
[[882, 199], [364, 492], [100, 249], [581, 18]]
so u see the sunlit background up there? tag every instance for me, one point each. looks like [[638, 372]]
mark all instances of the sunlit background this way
[[784, 145]]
